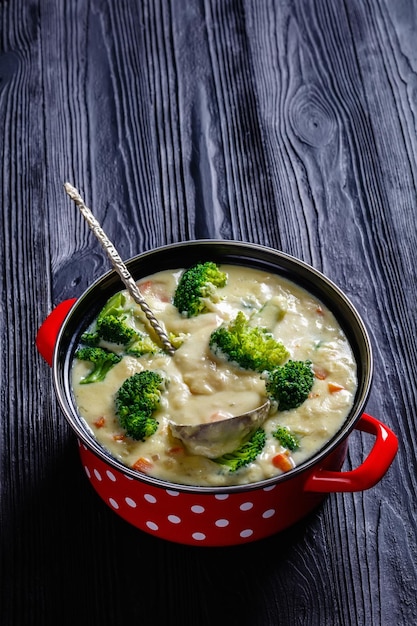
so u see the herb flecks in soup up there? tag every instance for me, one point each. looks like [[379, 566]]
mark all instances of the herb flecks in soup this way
[[198, 384]]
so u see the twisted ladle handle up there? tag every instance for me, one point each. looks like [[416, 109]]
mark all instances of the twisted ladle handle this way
[[118, 265]]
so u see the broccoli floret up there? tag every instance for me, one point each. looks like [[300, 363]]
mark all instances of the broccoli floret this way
[[245, 453], [176, 339], [136, 400], [102, 360], [112, 309], [112, 326], [115, 330], [142, 344], [290, 384], [286, 438], [251, 347], [91, 339], [114, 306], [196, 284]]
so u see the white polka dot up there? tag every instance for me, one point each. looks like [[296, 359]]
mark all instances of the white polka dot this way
[[221, 496], [150, 498], [268, 513], [221, 523], [152, 526], [113, 503], [111, 476], [246, 506], [246, 533], [128, 477], [87, 471], [131, 503], [174, 519], [198, 536], [270, 488], [170, 492], [97, 474], [196, 508]]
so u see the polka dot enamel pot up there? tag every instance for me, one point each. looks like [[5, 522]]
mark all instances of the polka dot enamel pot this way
[[210, 516]]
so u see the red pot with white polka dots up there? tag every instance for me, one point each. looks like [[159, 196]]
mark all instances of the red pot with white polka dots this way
[[210, 516]]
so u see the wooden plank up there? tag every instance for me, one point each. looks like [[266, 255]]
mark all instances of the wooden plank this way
[[291, 124]]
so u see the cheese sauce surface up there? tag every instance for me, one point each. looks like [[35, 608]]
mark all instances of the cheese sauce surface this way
[[202, 387]]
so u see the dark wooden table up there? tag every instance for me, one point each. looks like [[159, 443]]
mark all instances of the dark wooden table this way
[[286, 123]]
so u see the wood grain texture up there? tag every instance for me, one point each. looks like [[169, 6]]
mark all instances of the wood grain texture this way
[[286, 123]]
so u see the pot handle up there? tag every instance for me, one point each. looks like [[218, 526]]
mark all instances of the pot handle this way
[[372, 469], [47, 334]]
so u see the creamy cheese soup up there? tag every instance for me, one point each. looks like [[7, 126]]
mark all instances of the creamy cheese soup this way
[[202, 387]]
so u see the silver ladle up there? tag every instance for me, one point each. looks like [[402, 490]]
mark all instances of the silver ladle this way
[[119, 266], [211, 439]]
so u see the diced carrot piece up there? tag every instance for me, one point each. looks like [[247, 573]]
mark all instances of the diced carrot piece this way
[[155, 289], [99, 422], [334, 387], [320, 372], [319, 310], [217, 416], [142, 465], [282, 461], [119, 437], [146, 286], [176, 450]]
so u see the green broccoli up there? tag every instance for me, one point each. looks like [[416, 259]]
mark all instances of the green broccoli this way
[[112, 325], [136, 400], [196, 284], [286, 438], [117, 330], [245, 453], [114, 329], [112, 309], [251, 347], [142, 344], [102, 360], [176, 339], [114, 306], [290, 384], [91, 339]]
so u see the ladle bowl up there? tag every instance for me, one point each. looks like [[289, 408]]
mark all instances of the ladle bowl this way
[[213, 439]]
